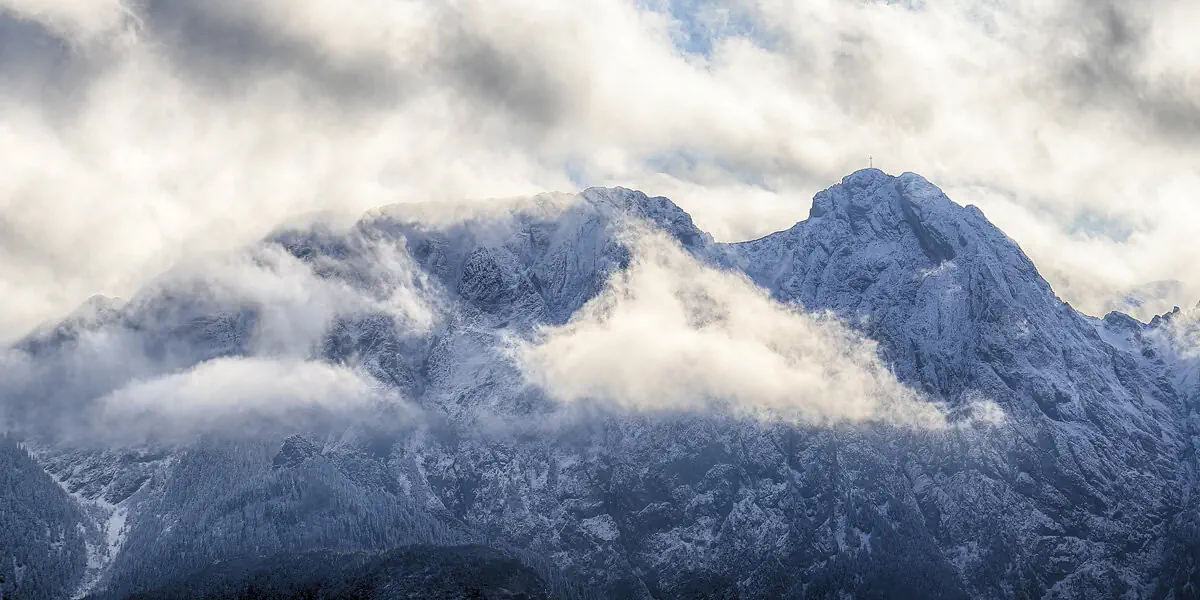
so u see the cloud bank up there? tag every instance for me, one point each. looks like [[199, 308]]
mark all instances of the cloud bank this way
[[671, 334], [228, 395], [140, 133]]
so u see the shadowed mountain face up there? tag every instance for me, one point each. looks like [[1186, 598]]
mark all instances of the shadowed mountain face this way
[[1079, 486], [453, 573]]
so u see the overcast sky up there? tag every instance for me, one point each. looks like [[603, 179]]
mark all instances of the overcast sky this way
[[138, 134]]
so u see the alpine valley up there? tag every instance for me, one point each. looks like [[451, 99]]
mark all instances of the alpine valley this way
[[450, 401]]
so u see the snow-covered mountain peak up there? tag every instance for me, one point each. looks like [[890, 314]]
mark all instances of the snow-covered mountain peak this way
[[878, 206], [618, 201], [873, 190], [873, 223]]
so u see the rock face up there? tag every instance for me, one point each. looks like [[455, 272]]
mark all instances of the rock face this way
[[1082, 490]]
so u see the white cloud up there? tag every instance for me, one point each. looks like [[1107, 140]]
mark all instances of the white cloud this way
[[81, 21], [294, 305], [170, 128], [672, 334], [224, 395]]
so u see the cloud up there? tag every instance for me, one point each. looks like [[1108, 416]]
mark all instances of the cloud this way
[[1176, 341], [143, 133], [79, 21], [232, 395], [294, 301], [226, 343], [672, 334]]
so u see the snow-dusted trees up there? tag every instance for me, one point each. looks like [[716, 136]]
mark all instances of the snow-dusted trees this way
[[42, 552]]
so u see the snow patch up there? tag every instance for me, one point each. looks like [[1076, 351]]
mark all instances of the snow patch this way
[[602, 527]]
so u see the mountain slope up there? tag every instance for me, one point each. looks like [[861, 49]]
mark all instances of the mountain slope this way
[[43, 540], [452, 572], [960, 310]]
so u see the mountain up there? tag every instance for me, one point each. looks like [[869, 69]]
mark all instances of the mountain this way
[[1077, 484]]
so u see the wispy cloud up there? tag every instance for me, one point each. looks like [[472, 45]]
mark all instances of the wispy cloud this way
[[232, 396]]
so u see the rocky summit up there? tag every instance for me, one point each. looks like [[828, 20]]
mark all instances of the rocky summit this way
[[149, 449]]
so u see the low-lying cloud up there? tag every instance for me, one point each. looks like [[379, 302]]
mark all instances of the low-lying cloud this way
[[672, 334], [296, 301], [1180, 339], [233, 395], [228, 344]]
